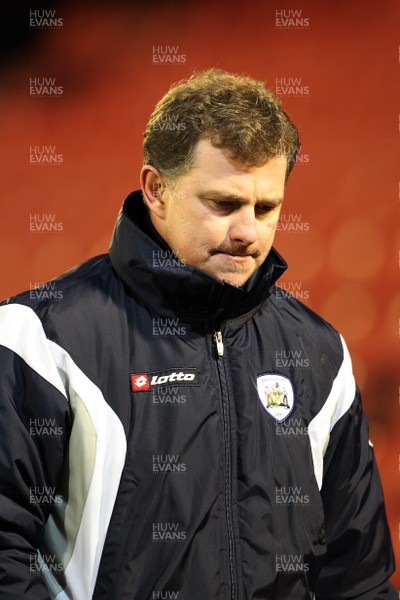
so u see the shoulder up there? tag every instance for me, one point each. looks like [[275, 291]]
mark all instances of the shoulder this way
[[69, 285], [301, 319], [67, 303], [296, 325]]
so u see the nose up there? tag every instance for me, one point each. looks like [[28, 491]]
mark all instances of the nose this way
[[243, 226]]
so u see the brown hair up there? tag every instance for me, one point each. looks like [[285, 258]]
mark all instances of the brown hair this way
[[234, 112]]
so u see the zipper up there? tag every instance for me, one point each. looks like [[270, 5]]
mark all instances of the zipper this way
[[219, 343], [228, 465]]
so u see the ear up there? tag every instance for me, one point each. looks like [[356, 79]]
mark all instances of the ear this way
[[152, 184]]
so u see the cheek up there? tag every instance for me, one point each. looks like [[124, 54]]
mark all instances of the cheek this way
[[206, 233], [267, 230], [272, 227], [190, 239]]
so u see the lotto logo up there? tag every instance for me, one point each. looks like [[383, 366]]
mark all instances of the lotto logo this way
[[140, 382], [143, 382]]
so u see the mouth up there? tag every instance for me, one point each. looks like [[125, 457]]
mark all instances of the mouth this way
[[240, 258], [236, 256]]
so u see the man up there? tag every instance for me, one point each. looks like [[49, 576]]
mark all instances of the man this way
[[140, 455]]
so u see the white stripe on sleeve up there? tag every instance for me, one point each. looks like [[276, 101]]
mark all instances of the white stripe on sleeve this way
[[337, 404]]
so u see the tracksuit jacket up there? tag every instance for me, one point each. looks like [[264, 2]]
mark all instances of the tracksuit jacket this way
[[167, 435]]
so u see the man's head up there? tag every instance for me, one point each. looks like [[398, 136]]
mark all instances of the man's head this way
[[218, 149]]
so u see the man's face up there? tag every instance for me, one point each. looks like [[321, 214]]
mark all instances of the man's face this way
[[221, 216]]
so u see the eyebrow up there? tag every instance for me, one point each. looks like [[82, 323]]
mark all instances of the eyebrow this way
[[229, 197]]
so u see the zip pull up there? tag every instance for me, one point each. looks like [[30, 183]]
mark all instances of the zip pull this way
[[219, 343]]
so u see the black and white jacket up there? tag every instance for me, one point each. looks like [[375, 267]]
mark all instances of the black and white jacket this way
[[167, 435]]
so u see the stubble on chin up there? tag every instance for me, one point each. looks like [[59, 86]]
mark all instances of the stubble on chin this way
[[237, 275], [229, 277]]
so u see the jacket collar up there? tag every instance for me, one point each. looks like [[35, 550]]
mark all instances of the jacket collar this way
[[169, 287]]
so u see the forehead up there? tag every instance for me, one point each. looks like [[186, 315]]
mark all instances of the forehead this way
[[214, 169]]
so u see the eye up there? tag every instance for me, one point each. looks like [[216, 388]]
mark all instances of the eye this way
[[223, 205], [264, 209]]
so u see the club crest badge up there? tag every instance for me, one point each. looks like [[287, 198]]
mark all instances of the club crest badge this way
[[276, 395]]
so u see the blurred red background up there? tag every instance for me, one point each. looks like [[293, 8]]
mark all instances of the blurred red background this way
[[335, 66]]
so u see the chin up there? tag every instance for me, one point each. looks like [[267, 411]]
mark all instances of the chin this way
[[234, 281], [236, 278]]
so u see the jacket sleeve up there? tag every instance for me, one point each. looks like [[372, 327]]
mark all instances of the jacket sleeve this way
[[359, 550], [34, 426]]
